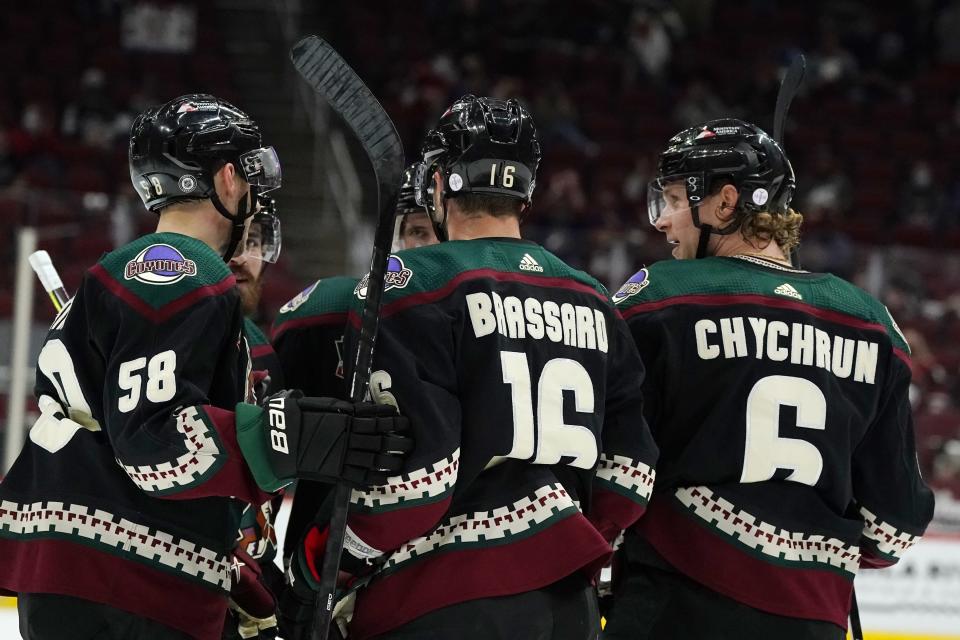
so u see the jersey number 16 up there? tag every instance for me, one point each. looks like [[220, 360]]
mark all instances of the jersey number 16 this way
[[548, 439]]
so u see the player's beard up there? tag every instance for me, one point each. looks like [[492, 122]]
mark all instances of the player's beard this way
[[250, 292]]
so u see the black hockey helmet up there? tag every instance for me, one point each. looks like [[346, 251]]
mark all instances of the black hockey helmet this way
[[480, 145], [176, 148], [725, 149]]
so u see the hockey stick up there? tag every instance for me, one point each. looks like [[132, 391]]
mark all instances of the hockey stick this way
[[49, 278], [788, 89], [856, 631], [330, 76]]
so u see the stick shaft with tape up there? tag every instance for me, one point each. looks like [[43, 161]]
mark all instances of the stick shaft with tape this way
[[49, 278]]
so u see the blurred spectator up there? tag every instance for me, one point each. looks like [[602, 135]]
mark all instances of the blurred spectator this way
[[635, 183], [650, 44], [8, 168], [920, 201], [698, 104], [827, 197], [948, 25], [167, 28], [946, 467], [122, 214], [556, 118], [832, 64], [610, 259], [91, 115]]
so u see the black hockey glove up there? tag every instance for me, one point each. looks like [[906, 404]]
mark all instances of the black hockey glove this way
[[321, 439]]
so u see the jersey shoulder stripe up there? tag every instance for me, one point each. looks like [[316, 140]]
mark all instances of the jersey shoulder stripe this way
[[161, 274], [326, 301], [430, 273], [721, 281]]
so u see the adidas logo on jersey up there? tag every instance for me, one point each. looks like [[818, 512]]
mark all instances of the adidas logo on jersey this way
[[527, 263], [786, 289]]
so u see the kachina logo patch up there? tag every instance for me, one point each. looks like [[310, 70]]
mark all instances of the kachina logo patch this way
[[396, 277], [633, 286], [297, 301], [160, 264]]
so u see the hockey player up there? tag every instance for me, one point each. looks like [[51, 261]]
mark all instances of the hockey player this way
[[119, 515], [778, 398], [260, 247], [521, 380], [308, 338], [415, 228], [256, 577]]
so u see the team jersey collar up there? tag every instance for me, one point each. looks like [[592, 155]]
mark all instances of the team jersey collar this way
[[766, 262]]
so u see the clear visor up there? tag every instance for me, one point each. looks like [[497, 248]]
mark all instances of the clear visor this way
[[423, 186], [261, 169], [262, 238], [672, 194]]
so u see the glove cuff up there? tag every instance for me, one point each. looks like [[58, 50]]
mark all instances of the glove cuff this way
[[252, 439]]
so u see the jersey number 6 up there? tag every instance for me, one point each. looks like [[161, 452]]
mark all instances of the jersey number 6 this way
[[548, 439], [765, 450]]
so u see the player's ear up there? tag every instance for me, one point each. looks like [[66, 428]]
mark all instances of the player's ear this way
[[225, 179], [728, 201]]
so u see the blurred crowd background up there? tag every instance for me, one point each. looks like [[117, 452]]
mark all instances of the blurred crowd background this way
[[874, 135]]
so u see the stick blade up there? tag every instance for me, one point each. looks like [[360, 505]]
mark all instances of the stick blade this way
[[329, 75], [788, 89]]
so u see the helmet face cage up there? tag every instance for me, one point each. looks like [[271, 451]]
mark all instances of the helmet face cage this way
[[262, 239]]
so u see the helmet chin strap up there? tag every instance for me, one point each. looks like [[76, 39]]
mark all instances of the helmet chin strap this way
[[706, 230], [440, 228], [245, 209]]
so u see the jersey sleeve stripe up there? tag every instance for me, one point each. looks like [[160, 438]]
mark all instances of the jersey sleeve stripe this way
[[202, 458], [630, 478], [888, 541], [168, 310], [422, 486], [334, 318]]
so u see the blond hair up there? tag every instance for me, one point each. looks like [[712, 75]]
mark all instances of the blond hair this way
[[782, 228]]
